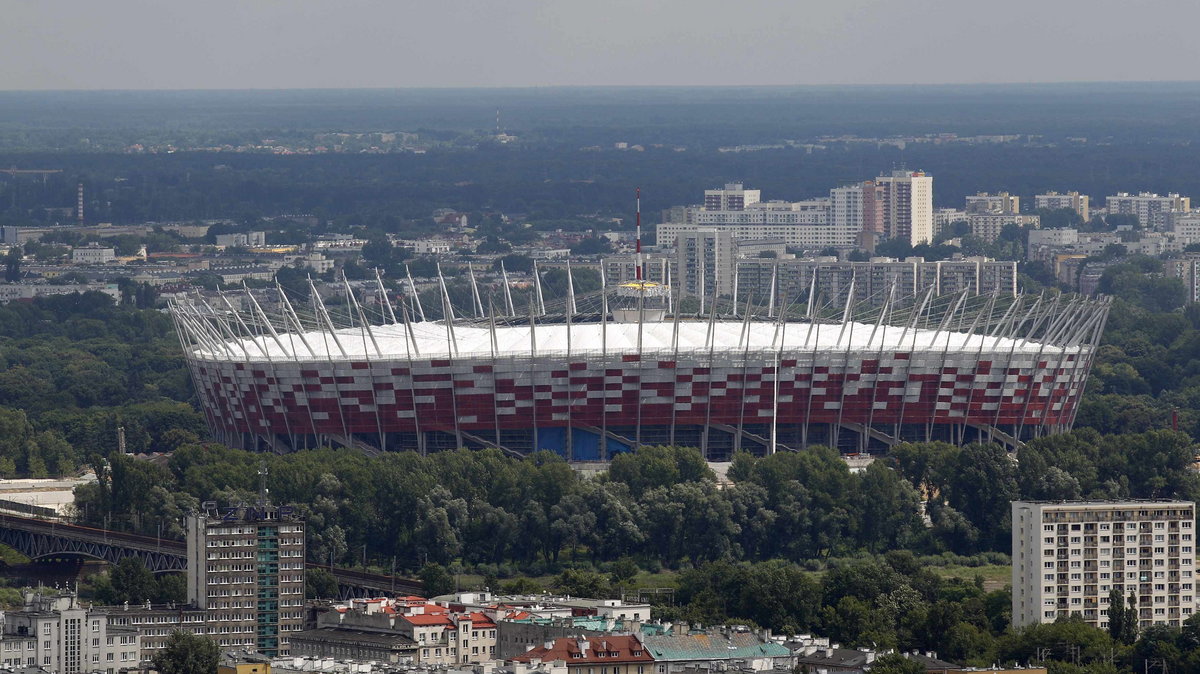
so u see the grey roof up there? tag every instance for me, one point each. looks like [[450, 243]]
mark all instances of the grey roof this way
[[712, 646], [391, 640]]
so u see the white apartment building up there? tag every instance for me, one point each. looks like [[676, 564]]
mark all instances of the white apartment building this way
[[1073, 200], [1186, 228], [987, 226], [1187, 269], [733, 197], [1150, 209], [944, 217], [705, 260], [1001, 202], [806, 224], [1067, 556], [854, 209], [907, 199]]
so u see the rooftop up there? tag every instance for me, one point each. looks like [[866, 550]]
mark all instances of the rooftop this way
[[605, 649], [476, 342]]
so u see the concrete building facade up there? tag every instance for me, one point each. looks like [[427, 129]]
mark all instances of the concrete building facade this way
[[987, 226], [246, 569], [56, 633], [93, 253], [907, 206], [1072, 200], [1150, 208], [1067, 556], [733, 197], [999, 203]]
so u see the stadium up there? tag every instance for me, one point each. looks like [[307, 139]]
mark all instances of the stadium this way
[[623, 366]]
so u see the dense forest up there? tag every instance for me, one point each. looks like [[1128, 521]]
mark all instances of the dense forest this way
[[398, 193]]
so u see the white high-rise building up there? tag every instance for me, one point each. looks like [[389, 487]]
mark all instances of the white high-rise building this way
[[1067, 556], [852, 209], [705, 261], [733, 197], [907, 198]]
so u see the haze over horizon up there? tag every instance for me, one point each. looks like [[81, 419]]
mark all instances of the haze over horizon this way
[[303, 44]]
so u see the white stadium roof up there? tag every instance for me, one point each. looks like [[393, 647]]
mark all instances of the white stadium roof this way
[[433, 340]]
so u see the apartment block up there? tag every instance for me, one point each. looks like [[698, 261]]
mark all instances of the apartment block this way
[[873, 280], [733, 197], [1000, 203], [1151, 209], [1073, 200], [58, 634], [987, 226], [1067, 556], [246, 569], [907, 206]]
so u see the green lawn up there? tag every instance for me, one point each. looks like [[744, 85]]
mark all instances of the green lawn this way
[[995, 576], [12, 557]]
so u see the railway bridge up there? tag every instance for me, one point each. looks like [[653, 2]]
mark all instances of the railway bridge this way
[[46, 539]]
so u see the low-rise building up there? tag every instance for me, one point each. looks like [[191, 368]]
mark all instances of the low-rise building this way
[[359, 645], [10, 292], [93, 253], [728, 647], [614, 654]]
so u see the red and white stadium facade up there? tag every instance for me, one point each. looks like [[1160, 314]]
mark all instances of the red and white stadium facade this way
[[955, 368]]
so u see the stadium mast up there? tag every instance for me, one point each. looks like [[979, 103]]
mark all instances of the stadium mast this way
[[638, 245]]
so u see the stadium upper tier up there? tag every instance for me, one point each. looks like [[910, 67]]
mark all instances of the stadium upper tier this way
[[858, 376], [437, 340]]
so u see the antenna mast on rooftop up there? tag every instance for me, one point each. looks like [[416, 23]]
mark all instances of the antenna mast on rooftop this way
[[262, 483]]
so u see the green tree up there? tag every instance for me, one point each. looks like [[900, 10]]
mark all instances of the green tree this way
[[320, 584], [187, 653], [436, 580], [592, 245], [1122, 622], [132, 582], [12, 265], [894, 663]]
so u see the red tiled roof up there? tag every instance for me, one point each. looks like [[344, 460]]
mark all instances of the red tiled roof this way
[[614, 649], [480, 620]]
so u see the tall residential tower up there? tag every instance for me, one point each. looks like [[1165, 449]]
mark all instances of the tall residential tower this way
[[1067, 556], [246, 569]]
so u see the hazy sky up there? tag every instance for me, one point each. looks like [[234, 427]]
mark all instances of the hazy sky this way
[[184, 44]]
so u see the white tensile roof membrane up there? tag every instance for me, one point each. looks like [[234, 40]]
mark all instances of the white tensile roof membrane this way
[[433, 340]]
